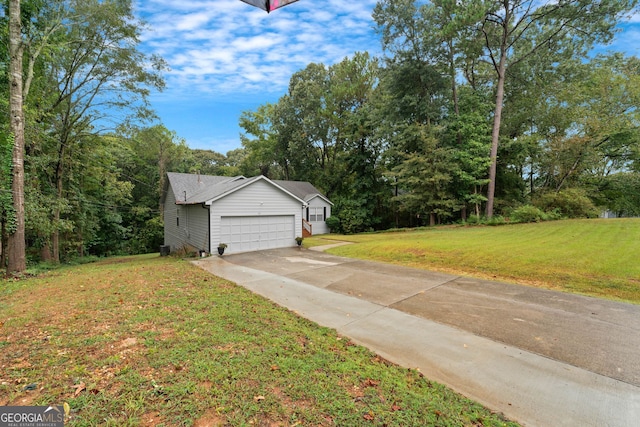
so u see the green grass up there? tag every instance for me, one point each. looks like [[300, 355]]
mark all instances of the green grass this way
[[591, 257], [156, 341]]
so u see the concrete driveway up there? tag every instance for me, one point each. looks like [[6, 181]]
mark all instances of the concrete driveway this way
[[540, 357]]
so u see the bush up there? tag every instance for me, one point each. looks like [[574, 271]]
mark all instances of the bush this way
[[333, 222], [474, 220], [528, 213], [482, 220], [496, 220], [569, 203]]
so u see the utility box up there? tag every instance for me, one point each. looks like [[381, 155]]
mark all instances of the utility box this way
[[165, 250]]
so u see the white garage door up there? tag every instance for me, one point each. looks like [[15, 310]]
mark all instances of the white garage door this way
[[253, 233]]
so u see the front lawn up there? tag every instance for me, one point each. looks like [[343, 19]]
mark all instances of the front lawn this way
[[155, 341]]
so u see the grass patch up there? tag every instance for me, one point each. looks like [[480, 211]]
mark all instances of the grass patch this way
[[596, 257], [154, 340]]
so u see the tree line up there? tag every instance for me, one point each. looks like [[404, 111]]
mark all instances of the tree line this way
[[477, 109]]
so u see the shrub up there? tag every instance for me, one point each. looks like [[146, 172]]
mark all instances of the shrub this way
[[569, 203], [474, 220], [482, 220], [528, 213], [496, 220], [333, 222]]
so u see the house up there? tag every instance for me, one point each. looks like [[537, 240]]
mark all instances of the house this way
[[248, 214]]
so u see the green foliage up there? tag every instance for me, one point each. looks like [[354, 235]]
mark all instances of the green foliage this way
[[483, 220], [333, 222], [425, 176], [474, 220], [620, 193], [528, 213], [349, 217], [7, 211], [569, 203], [418, 120]]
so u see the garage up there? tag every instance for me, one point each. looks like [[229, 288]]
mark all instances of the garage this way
[[253, 233]]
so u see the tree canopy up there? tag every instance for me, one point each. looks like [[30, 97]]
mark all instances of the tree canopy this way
[[477, 108]]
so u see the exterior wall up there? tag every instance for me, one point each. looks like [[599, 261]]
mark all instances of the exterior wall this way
[[172, 235], [196, 227], [185, 225], [257, 199], [318, 227]]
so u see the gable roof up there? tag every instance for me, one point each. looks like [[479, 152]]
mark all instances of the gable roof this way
[[302, 189], [196, 189], [186, 185]]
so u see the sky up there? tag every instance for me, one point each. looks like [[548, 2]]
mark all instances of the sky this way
[[226, 57]]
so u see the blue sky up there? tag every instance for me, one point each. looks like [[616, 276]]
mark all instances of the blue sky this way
[[226, 57]]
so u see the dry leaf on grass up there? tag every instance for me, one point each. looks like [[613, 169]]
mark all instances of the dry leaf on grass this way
[[79, 389]]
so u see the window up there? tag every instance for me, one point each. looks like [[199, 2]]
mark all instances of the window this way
[[316, 214]]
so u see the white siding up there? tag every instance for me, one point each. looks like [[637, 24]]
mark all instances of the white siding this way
[[319, 227], [185, 225], [258, 199]]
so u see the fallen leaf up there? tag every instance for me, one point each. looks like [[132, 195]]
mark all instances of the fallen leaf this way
[[395, 407], [369, 416], [67, 409], [371, 383], [79, 389], [258, 398]]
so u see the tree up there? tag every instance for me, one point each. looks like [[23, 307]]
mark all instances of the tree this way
[[263, 151], [620, 193], [363, 193], [426, 175], [514, 30], [145, 157], [17, 261], [589, 126], [92, 73], [469, 140]]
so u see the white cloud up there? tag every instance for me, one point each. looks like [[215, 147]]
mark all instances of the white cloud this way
[[226, 56], [227, 46], [191, 21]]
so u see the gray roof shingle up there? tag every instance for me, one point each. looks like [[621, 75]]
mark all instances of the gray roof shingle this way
[[196, 188], [187, 186], [301, 189]]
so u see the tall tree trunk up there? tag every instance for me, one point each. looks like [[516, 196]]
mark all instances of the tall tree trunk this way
[[55, 237], [495, 137], [501, 70], [45, 252], [17, 262]]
